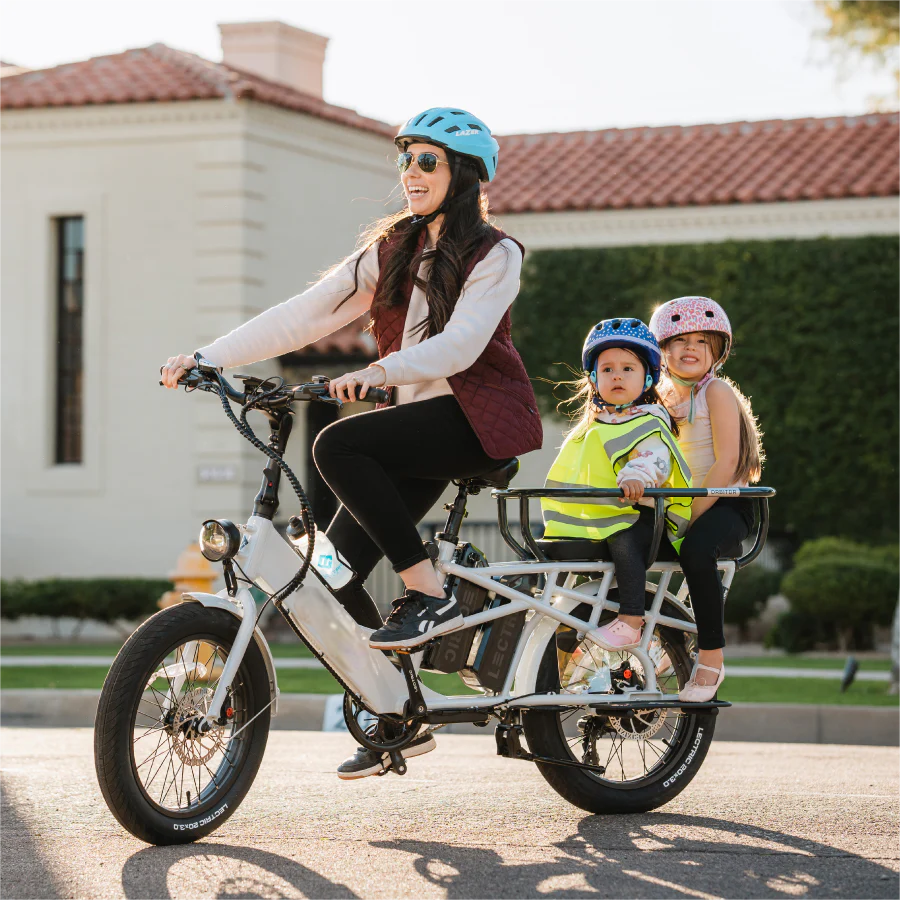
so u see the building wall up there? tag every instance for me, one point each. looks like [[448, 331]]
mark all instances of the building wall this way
[[197, 216]]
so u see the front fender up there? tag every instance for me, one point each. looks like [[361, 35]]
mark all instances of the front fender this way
[[221, 601]]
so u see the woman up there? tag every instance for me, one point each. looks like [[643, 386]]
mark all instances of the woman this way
[[438, 280]]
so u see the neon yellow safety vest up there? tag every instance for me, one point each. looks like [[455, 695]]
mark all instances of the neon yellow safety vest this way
[[593, 461]]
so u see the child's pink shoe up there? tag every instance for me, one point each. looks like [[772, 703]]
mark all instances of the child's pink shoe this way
[[701, 693], [618, 635]]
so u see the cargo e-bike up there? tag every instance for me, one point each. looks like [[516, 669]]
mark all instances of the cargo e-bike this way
[[185, 710]]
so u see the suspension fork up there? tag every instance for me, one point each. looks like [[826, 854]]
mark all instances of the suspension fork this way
[[235, 657]]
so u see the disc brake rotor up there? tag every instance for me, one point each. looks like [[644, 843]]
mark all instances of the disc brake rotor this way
[[641, 725], [191, 748]]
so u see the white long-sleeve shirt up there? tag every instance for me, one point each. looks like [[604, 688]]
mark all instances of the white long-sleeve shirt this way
[[419, 369]]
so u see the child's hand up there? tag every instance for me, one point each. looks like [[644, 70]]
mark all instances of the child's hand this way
[[633, 489]]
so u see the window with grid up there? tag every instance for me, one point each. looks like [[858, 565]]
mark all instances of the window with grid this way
[[69, 338]]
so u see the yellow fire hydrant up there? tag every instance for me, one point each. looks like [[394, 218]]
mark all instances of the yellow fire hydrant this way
[[193, 572]]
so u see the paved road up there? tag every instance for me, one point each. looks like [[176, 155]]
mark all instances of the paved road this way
[[761, 820]]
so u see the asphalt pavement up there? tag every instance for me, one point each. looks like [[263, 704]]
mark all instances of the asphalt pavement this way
[[760, 820]]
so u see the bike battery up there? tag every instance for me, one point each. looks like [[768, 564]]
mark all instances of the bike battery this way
[[497, 648], [451, 652]]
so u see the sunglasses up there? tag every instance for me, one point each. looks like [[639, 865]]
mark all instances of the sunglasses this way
[[427, 162]]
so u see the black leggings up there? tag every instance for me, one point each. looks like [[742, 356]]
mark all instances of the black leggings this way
[[388, 468], [717, 533]]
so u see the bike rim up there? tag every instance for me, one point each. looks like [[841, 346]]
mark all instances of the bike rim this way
[[631, 750], [179, 771]]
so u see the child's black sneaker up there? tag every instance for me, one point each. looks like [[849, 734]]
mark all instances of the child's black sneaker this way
[[415, 619]]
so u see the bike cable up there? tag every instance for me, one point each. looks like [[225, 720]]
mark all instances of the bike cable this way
[[247, 432]]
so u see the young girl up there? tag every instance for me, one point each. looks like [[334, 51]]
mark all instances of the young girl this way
[[721, 442], [623, 439]]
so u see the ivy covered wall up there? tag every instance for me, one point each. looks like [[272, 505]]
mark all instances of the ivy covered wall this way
[[816, 349]]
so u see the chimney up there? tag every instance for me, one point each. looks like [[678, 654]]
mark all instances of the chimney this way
[[276, 51]]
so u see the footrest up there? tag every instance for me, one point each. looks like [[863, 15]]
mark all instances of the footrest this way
[[659, 704]]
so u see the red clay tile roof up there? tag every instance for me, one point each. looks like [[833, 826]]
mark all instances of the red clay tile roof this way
[[699, 165], [160, 74]]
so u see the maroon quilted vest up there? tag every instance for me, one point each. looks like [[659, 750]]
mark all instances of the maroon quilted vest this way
[[494, 392]]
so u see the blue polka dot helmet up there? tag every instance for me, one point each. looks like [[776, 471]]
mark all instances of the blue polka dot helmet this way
[[630, 334]]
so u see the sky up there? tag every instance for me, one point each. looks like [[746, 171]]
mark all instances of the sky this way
[[520, 65]]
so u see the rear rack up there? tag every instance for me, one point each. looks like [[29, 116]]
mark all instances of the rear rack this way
[[531, 550]]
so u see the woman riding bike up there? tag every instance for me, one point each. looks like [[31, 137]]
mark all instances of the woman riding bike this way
[[438, 281]]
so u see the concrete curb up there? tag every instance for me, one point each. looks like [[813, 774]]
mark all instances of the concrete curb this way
[[877, 726]]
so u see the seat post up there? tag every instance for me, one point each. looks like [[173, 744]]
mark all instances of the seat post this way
[[457, 512]]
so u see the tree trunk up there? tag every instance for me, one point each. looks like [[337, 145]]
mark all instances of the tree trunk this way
[[895, 652]]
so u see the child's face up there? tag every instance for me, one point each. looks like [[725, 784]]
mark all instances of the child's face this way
[[689, 356], [620, 376]]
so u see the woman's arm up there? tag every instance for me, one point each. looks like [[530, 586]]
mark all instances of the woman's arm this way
[[302, 319], [725, 421], [488, 293]]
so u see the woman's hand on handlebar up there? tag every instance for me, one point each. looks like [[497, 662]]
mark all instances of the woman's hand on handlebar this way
[[355, 385], [174, 369]]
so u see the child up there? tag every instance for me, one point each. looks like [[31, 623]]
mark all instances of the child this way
[[721, 442], [623, 439]]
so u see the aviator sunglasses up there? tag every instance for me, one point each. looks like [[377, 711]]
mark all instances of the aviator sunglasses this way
[[427, 162]]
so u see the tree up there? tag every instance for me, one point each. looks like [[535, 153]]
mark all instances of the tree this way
[[867, 29]]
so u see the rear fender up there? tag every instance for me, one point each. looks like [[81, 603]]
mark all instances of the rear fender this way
[[221, 601]]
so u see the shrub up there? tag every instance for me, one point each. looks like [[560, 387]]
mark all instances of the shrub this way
[[796, 633], [845, 596], [748, 594], [830, 548], [105, 599]]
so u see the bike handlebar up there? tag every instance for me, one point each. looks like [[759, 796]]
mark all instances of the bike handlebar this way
[[200, 378]]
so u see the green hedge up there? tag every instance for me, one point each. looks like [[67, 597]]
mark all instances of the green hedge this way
[[749, 591], [816, 349], [105, 599]]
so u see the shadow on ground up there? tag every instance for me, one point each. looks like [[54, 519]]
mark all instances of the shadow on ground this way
[[657, 855]]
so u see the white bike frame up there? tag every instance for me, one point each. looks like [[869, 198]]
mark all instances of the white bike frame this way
[[341, 644]]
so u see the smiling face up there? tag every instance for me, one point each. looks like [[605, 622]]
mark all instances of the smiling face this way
[[689, 356], [620, 376], [425, 193]]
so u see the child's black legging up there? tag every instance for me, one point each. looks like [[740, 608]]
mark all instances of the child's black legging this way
[[717, 533], [388, 467]]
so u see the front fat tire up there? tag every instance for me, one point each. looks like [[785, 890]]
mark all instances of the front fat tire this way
[[113, 730]]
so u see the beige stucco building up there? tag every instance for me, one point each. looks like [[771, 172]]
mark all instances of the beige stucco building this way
[[207, 193]]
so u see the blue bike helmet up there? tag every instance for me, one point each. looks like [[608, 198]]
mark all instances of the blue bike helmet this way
[[630, 334], [456, 130]]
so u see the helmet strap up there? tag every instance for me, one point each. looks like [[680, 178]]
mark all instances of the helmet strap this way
[[694, 386], [427, 220]]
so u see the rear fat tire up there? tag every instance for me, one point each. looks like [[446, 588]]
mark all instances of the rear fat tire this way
[[545, 737], [120, 698]]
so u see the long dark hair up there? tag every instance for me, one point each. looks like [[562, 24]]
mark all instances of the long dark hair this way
[[462, 232]]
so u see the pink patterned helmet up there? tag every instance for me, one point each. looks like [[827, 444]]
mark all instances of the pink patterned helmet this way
[[686, 314]]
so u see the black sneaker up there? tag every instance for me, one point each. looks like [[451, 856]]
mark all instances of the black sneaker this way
[[368, 762], [415, 619]]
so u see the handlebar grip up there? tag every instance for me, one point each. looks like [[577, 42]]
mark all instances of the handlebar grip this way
[[377, 395]]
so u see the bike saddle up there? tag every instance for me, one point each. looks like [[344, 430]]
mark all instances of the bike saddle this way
[[499, 477]]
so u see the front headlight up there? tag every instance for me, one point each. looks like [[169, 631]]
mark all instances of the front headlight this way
[[219, 539]]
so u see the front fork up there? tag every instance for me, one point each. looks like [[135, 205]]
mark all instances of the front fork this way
[[229, 670]]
